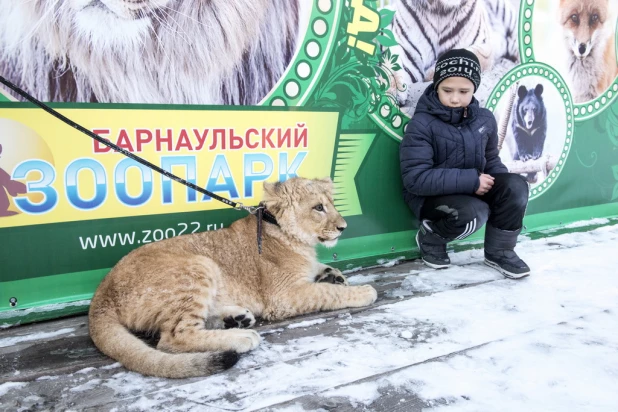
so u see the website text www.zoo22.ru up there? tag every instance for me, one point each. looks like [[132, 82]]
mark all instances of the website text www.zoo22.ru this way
[[144, 236]]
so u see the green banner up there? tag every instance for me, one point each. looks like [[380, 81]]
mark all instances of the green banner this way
[[230, 100]]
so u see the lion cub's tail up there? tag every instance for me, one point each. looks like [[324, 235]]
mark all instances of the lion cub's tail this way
[[114, 340]]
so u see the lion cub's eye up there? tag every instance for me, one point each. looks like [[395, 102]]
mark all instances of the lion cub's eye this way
[[319, 208]]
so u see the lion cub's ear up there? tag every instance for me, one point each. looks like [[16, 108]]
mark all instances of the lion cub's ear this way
[[327, 183], [272, 196], [271, 190]]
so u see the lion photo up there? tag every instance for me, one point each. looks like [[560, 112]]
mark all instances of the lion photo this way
[[225, 52]]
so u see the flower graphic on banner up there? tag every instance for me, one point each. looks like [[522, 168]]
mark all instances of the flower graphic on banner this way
[[361, 74]]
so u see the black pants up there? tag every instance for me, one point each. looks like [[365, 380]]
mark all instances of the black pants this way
[[458, 216]]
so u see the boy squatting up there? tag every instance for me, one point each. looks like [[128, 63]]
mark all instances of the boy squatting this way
[[453, 178]]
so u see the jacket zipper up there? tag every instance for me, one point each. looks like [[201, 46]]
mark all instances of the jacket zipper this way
[[465, 115]]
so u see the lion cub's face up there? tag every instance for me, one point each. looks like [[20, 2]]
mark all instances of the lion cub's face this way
[[305, 210]]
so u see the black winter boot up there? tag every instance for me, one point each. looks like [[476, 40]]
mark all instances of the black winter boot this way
[[499, 253], [432, 247]]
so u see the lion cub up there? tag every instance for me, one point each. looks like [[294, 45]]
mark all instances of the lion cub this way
[[188, 286]]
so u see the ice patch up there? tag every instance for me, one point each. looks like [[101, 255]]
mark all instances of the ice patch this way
[[362, 393], [575, 372], [47, 378], [91, 384], [363, 279], [35, 336], [306, 323], [387, 263], [450, 278], [129, 383], [585, 223], [353, 270], [45, 308], [398, 293], [6, 387], [406, 334]]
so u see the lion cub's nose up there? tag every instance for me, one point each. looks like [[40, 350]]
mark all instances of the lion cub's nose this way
[[341, 228]]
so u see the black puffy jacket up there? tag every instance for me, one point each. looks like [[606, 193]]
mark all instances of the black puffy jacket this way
[[445, 149]]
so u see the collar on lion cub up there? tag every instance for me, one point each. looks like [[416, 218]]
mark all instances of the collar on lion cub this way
[[188, 288]]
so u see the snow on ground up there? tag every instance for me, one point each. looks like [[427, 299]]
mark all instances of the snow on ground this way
[[33, 336], [6, 387], [47, 308], [565, 367], [467, 340], [44, 308], [584, 223], [306, 323]]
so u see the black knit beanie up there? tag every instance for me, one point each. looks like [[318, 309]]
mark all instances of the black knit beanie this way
[[458, 63]]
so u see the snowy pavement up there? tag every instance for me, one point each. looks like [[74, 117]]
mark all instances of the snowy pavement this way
[[460, 339]]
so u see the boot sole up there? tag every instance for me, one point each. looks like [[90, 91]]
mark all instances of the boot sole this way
[[506, 273], [431, 265]]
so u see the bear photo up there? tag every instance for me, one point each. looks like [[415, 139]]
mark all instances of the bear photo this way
[[529, 123], [528, 126], [532, 128]]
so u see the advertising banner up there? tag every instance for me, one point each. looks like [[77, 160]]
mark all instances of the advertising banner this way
[[227, 95]]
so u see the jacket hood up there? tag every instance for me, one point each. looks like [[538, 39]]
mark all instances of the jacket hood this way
[[430, 103]]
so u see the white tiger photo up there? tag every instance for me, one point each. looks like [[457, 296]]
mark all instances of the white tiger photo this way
[[149, 51], [425, 29]]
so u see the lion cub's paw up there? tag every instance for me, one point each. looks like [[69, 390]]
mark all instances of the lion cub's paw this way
[[332, 275], [367, 294], [242, 320], [243, 340]]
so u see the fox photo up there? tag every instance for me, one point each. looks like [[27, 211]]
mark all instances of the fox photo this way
[[229, 52], [425, 29], [578, 38], [531, 128]]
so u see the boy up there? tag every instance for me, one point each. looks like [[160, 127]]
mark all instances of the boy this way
[[454, 180]]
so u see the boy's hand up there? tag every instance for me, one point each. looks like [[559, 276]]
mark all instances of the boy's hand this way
[[485, 185]]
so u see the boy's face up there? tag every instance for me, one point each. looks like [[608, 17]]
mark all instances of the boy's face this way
[[455, 92]]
